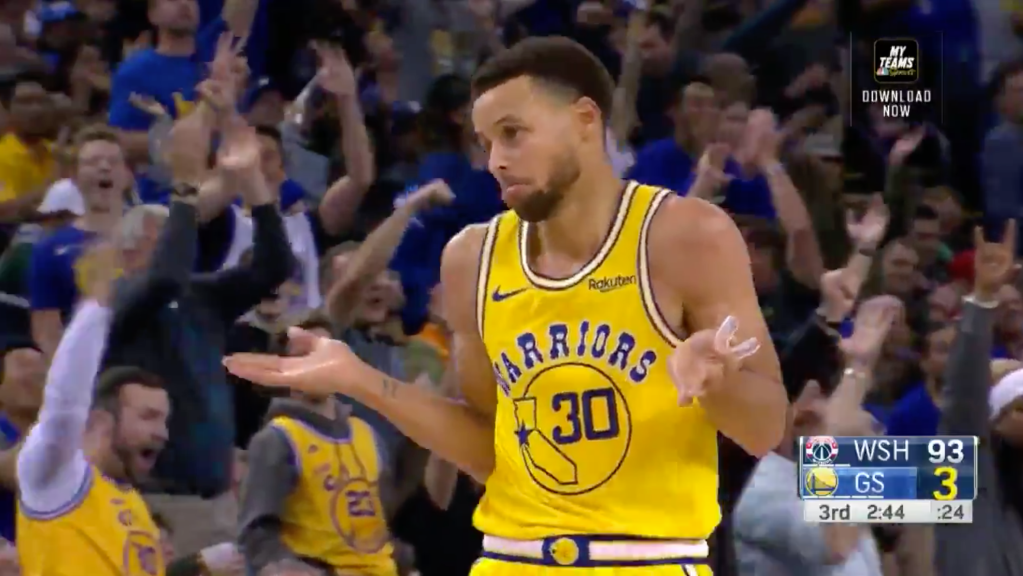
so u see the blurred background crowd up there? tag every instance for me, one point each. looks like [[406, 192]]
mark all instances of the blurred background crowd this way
[[342, 110]]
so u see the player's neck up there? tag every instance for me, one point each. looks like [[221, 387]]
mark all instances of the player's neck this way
[[585, 215], [175, 45]]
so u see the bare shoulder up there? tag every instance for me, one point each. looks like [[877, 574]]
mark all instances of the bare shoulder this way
[[462, 253], [459, 269], [696, 231]]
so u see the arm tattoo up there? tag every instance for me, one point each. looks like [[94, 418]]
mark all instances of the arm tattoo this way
[[391, 387]]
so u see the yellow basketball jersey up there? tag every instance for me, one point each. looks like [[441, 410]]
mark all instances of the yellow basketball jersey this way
[[105, 531], [335, 513], [589, 435]]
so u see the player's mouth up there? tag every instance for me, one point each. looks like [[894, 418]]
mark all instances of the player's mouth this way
[[105, 184], [514, 192]]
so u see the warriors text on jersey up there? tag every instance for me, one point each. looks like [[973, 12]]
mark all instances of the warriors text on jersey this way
[[106, 530], [589, 436], [334, 514]]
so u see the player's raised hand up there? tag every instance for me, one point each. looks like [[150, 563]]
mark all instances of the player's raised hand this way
[[706, 357], [993, 262], [318, 365]]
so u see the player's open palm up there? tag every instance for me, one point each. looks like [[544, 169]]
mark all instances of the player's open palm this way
[[702, 360], [318, 365]]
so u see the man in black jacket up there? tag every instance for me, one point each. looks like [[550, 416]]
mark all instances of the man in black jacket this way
[[173, 323]]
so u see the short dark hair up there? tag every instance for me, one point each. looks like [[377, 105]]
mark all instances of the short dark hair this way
[[1001, 75], [316, 321], [556, 60], [12, 347], [25, 77], [110, 383]]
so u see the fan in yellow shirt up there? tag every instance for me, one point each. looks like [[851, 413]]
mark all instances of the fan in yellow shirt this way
[[27, 165]]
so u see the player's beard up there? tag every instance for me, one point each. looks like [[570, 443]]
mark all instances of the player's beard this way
[[125, 455], [542, 204]]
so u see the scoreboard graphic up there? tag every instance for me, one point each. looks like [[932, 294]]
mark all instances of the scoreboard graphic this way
[[887, 479]]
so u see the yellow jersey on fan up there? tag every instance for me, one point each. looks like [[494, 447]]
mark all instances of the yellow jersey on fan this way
[[105, 531], [335, 514], [589, 437]]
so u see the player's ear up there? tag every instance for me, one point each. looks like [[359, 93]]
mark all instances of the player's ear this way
[[588, 115]]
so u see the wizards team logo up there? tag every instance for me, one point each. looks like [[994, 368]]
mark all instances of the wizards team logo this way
[[821, 450]]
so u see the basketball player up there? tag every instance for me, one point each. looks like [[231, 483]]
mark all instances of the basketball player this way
[[78, 512], [593, 340], [312, 501]]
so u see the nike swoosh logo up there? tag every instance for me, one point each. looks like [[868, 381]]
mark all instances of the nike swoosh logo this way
[[498, 296]]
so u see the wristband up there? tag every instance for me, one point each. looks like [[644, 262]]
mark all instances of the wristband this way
[[986, 304], [184, 191], [833, 329]]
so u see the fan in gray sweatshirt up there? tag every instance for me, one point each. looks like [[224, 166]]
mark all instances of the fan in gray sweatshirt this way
[[993, 544]]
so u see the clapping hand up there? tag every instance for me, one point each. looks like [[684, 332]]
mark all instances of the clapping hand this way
[[711, 167], [906, 145], [867, 231], [838, 294], [239, 153], [763, 136], [335, 75], [703, 360], [873, 321]]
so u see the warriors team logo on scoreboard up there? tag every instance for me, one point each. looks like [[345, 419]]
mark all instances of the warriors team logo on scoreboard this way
[[821, 450], [897, 68]]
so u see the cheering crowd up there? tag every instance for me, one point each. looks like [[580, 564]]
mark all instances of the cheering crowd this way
[[181, 180]]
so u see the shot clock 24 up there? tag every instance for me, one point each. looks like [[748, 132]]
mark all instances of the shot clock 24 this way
[[888, 479]]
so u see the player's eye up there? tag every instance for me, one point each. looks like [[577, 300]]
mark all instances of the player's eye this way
[[509, 133]]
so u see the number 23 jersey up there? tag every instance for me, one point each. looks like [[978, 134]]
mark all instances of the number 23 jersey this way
[[589, 436]]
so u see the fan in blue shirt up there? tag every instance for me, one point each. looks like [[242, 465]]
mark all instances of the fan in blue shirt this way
[[102, 175], [477, 195], [167, 73], [667, 164]]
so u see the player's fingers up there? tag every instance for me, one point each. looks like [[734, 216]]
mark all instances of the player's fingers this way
[[257, 374], [726, 331], [254, 361], [978, 237], [746, 348]]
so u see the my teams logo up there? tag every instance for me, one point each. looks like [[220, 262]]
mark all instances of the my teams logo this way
[[822, 450], [896, 61], [821, 481]]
